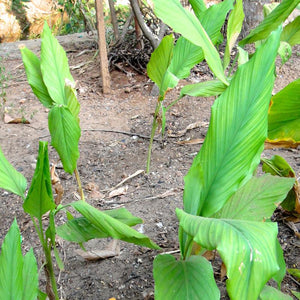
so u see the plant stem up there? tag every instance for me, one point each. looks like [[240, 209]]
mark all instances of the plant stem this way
[[52, 289], [79, 184], [154, 126]]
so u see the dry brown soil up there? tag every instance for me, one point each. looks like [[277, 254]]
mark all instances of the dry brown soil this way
[[107, 158]]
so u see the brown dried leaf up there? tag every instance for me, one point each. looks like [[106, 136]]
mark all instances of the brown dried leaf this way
[[210, 255], [59, 193], [113, 249], [280, 144], [223, 271], [191, 142], [189, 127], [118, 192], [9, 120]]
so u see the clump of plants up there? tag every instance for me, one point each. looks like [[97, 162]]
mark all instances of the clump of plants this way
[[52, 83], [227, 208]]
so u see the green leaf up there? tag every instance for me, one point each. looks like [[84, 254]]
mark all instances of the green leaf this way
[[111, 226], [291, 32], [270, 293], [236, 134], [159, 62], [185, 279], [271, 22], [186, 55], [10, 179], [204, 89], [248, 250], [296, 294], [284, 114], [32, 66], [81, 230], [65, 133], [234, 27], [184, 22], [277, 165], [294, 272], [243, 56], [72, 101], [11, 265], [278, 277], [30, 277], [54, 66], [285, 52], [257, 199], [198, 7], [39, 199]]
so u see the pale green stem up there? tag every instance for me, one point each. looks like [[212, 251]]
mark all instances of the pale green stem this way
[[79, 184]]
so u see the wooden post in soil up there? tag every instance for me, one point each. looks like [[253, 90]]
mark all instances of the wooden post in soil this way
[[102, 47]]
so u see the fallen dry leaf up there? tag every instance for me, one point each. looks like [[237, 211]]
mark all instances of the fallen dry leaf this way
[[189, 127], [113, 249], [10, 120], [223, 271], [118, 192], [280, 144], [191, 142]]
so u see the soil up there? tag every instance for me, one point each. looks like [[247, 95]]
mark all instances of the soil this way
[[107, 157]]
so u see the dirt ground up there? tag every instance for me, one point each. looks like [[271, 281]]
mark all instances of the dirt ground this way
[[107, 157]]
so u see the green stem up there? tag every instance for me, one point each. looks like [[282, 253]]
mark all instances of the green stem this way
[[232, 66], [154, 126], [173, 103], [79, 184], [48, 266]]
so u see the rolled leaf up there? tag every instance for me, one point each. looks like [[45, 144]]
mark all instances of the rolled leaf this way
[[285, 52], [185, 279], [234, 27], [184, 22], [236, 134], [284, 115], [111, 226], [248, 250], [39, 199], [11, 265], [65, 133], [10, 179], [271, 22], [32, 66], [54, 66], [257, 199]]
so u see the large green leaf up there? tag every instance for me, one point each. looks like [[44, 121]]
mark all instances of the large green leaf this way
[[270, 293], [159, 63], [204, 89], [65, 133], [198, 6], [185, 279], [11, 265], [257, 199], [271, 22], [39, 199], [236, 134], [30, 277], [54, 66], [10, 179], [291, 32], [248, 250], [284, 114], [32, 66], [234, 27], [81, 230], [186, 23], [186, 54], [113, 227]]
